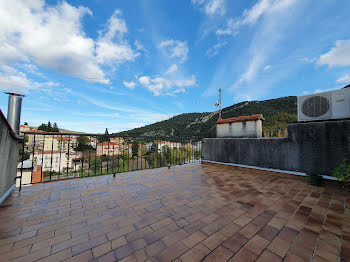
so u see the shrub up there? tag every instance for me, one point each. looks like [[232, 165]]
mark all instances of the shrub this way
[[342, 172]]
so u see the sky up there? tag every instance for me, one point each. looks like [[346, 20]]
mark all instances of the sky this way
[[95, 64]]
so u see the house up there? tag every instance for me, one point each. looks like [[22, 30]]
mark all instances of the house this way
[[53, 160], [108, 148]]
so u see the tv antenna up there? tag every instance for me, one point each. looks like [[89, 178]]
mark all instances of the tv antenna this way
[[217, 104]]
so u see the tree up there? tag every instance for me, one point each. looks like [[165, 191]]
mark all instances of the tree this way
[[83, 142], [154, 148], [42, 127], [55, 128], [105, 137], [25, 123], [49, 127], [135, 148]]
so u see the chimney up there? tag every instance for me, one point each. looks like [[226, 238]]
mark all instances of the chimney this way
[[14, 111]]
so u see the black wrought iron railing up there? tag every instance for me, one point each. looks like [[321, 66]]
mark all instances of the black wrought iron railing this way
[[46, 157]]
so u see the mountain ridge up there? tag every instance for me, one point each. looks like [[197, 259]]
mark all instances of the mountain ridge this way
[[278, 113]]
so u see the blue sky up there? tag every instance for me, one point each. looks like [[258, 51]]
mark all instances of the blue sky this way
[[88, 65]]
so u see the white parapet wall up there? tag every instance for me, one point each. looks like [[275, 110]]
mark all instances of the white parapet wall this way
[[242, 126]]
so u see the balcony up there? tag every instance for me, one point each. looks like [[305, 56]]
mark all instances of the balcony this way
[[186, 213]]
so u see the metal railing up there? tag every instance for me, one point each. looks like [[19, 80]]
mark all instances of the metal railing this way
[[47, 157]]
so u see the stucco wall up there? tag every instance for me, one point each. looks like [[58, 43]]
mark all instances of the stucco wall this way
[[8, 155], [240, 129], [311, 147]]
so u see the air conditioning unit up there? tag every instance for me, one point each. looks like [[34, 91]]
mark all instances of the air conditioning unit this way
[[322, 106]]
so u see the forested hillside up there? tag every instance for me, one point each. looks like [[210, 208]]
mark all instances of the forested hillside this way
[[278, 113]]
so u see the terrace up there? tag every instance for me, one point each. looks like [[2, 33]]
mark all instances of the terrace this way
[[189, 212]]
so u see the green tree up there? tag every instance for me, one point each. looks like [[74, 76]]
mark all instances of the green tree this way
[[135, 148], [55, 128], [83, 143], [42, 127], [105, 137], [154, 148], [49, 127], [25, 123], [95, 163]]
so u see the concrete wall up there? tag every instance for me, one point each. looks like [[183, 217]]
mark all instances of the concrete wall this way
[[311, 147], [8, 157], [240, 129]]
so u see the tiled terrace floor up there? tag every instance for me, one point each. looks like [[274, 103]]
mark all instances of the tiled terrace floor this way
[[188, 213]]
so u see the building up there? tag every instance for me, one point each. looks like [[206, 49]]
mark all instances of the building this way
[[53, 160], [31, 173], [108, 149], [118, 140]]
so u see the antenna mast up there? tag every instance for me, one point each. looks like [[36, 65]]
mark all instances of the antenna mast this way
[[220, 103], [217, 104]]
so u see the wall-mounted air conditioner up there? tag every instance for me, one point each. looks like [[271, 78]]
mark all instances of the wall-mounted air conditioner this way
[[322, 106]]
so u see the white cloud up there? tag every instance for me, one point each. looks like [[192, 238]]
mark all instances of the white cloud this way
[[267, 67], [211, 7], [344, 80], [14, 80], [130, 85], [162, 86], [173, 68], [339, 55], [53, 37], [109, 52], [175, 49], [140, 47], [267, 37], [214, 50], [145, 80], [250, 16]]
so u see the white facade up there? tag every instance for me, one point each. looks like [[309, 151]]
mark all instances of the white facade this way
[[252, 129], [60, 160]]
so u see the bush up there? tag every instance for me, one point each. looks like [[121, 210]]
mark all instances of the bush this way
[[342, 172]]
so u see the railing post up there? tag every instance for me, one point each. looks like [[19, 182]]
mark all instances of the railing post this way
[[20, 180]]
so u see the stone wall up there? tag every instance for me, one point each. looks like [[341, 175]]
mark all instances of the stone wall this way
[[8, 157], [316, 147]]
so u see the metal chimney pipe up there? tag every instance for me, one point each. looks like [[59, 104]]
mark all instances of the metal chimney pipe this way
[[14, 111]]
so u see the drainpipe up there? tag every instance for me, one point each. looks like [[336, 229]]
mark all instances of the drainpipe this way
[[14, 111]]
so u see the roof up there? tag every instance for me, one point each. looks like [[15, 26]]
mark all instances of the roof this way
[[240, 119], [62, 138], [106, 143], [26, 164]]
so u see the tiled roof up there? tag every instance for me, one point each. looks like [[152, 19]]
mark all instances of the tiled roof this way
[[241, 119]]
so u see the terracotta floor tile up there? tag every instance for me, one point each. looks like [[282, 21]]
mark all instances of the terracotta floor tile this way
[[194, 239], [279, 246], [155, 248], [194, 211], [268, 232], [244, 255], [214, 240], [220, 254], [268, 256], [235, 242], [242, 220], [172, 252], [197, 253], [294, 258], [101, 249], [249, 230], [257, 244]]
